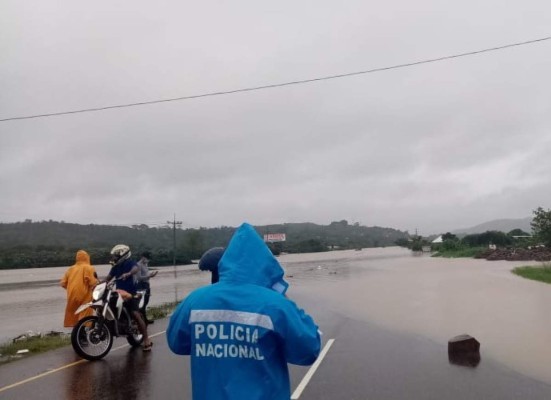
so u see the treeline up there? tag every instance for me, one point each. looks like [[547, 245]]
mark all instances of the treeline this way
[[477, 241], [31, 244], [516, 238]]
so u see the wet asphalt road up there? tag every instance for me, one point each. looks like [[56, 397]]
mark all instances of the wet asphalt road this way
[[364, 362]]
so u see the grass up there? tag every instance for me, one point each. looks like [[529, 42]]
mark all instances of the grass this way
[[161, 311], [35, 345], [536, 273], [460, 253], [41, 344]]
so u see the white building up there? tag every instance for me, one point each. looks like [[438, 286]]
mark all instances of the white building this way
[[438, 239]]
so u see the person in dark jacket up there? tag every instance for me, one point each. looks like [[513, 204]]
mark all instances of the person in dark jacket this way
[[242, 331], [209, 262], [124, 268]]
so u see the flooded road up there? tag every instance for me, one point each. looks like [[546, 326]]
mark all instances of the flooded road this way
[[429, 297], [442, 298]]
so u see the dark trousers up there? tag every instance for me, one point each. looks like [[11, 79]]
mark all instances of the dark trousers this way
[[145, 286]]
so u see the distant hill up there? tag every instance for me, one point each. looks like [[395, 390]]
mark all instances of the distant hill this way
[[502, 225], [50, 243]]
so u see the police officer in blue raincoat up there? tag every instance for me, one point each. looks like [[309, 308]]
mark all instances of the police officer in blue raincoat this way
[[242, 331]]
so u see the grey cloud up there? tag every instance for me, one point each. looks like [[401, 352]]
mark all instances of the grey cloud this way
[[431, 147]]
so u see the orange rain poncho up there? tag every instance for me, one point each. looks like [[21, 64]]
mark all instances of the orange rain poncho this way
[[79, 280]]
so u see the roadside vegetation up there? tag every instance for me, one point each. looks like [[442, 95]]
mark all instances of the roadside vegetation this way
[[536, 273], [468, 246], [475, 245], [161, 311], [488, 244], [42, 343], [32, 345], [520, 243]]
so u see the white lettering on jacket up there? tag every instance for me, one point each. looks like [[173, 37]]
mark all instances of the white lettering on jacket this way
[[228, 334], [226, 350]]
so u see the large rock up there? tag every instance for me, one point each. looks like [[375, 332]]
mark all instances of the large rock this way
[[464, 350]]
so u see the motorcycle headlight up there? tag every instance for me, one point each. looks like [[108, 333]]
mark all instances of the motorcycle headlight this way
[[98, 291]]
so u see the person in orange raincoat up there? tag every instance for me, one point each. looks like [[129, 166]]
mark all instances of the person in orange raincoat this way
[[79, 280]]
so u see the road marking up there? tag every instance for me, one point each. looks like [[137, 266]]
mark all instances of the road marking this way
[[296, 394], [42, 375], [311, 371]]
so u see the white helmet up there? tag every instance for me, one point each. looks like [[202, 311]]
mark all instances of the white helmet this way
[[119, 253]]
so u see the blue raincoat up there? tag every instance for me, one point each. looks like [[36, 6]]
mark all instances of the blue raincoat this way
[[242, 331]]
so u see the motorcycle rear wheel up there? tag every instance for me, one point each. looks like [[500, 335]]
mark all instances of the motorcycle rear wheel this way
[[89, 341], [134, 337]]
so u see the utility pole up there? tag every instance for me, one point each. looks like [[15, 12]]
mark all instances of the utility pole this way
[[174, 223]]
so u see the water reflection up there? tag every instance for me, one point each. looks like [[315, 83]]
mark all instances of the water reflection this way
[[468, 359], [79, 383], [123, 376]]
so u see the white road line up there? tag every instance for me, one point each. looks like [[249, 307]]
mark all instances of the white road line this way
[[42, 375], [311, 371], [296, 394]]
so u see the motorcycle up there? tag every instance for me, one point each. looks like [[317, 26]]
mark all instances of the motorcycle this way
[[93, 336]]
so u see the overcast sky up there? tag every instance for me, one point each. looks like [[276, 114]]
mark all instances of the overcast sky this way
[[433, 147]]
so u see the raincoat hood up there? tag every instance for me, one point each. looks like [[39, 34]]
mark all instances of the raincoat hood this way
[[82, 257], [247, 259]]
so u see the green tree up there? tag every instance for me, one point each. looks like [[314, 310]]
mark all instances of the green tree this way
[[418, 242], [486, 238], [541, 225], [194, 243], [402, 242], [449, 236], [50, 243], [518, 232]]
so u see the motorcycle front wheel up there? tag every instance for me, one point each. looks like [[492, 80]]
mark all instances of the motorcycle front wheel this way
[[89, 340]]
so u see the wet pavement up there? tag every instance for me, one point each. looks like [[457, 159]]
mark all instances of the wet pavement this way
[[364, 362], [390, 315]]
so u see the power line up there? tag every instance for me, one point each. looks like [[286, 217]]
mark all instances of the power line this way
[[275, 85]]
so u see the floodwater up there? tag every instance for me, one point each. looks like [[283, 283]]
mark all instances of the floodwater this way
[[32, 300], [442, 298], [430, 297]]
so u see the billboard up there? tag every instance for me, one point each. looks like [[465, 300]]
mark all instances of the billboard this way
[[274, 237]]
